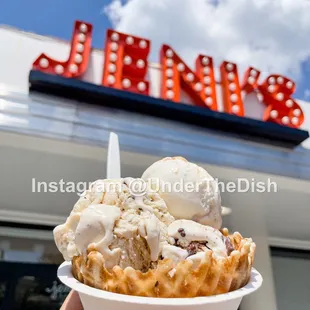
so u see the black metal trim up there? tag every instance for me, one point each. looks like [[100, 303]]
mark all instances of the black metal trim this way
[[289, 252], [241, 127], [26, 226]]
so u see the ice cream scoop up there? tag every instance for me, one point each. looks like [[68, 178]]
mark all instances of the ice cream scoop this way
[[189, 191], [127, 230], [131, 230], [192, 236]]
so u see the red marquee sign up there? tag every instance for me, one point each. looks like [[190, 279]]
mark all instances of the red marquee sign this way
[[126, 65]]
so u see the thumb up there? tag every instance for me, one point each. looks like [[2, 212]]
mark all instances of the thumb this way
[[72, 302]]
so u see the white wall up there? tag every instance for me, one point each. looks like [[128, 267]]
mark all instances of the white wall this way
[[249, 218]]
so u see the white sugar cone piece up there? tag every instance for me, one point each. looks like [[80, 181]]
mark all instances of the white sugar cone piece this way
[[113, 160]]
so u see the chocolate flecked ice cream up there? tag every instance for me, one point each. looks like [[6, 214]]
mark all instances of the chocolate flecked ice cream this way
[[140, 242]]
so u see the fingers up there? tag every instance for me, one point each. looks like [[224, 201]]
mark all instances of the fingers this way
[[72, 302]]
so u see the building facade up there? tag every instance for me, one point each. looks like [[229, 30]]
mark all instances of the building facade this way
[[56, 137]]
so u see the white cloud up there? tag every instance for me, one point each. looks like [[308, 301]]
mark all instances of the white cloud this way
[[272, 35]]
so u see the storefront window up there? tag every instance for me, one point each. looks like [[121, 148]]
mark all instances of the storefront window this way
[[37, 293], [291, 269]]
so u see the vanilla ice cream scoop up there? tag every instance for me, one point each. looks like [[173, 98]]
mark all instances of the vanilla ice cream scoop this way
[[189, 240], [127, 230], [189, 191]]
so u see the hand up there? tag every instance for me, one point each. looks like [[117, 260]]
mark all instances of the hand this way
[[72, 302]]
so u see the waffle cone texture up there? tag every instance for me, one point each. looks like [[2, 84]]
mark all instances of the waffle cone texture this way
[[169, 280]]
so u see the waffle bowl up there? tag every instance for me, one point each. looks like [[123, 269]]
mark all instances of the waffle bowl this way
[[214, 284], [211, 277], [96, 299]]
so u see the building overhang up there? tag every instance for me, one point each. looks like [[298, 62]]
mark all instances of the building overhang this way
[[227, 124]]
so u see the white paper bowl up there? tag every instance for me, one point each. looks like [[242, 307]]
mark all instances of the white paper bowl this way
[[93, 299]]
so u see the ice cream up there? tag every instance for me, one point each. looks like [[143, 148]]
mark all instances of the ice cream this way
[[131, 230], [158, 244], [189, 191], [127, 230]]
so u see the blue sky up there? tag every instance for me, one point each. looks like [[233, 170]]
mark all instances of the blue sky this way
[[56, 18]]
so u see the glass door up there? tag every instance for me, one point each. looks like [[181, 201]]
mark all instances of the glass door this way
[[30, 286], [291, 269]]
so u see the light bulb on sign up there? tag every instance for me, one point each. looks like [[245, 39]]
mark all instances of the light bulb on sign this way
[[126, 83], [113, 57], [231, 76], [59, 69], [274, 114], [111, 79], [180, 67], [83, 28], [169, 83], [114, 46], [78, 58], [80, 48], [44, 63], [190, 77], [253, 73], [280, 80], [235, 109], [142, 44], [140, 64], [73, 68], [112, 68], [289, 103], [198, 87], [209, 101], [280, 96], [141, 86], [295, 120], [129, 40], [206, 70], [289, 85], [234, 98], [81, 37], [208, 91], [127, 60], [285, 120], [251, 80], [170, 94], [169, 53], [169, 73], [169, 62], [207, 80], [114, 36], [229, 66], [232, 87], [205, 61]]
